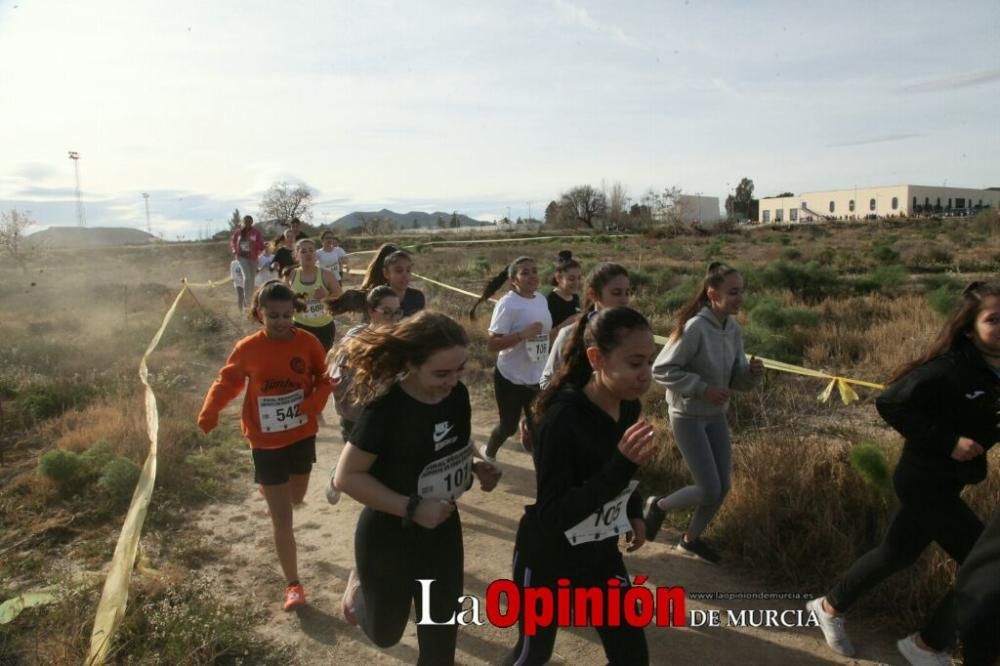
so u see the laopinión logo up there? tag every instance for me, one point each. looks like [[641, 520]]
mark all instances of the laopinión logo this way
[[620, 603]]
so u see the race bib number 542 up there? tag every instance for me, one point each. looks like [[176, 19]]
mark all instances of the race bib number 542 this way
[[281, 412], [609, 520]]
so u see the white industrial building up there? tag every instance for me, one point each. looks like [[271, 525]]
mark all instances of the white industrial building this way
[[861, 203], [693, 208]]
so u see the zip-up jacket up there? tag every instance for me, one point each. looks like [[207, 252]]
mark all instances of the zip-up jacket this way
[[708, 353], [254, 239], [951, 396]]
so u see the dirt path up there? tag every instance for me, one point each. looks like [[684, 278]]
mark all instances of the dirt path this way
[[317, 634]]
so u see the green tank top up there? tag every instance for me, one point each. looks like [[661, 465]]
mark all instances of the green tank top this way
[[315, 314]]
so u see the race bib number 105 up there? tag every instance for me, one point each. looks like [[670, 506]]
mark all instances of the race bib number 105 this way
[[538, 347], [609, 520], [281, 412]]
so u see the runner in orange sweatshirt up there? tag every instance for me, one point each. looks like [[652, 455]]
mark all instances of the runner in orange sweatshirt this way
[[284, 372]]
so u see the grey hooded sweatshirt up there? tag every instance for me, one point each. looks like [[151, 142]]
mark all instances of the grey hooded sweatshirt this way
[[707, 354]]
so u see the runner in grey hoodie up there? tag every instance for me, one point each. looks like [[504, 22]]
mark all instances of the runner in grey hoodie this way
[[700, 365]]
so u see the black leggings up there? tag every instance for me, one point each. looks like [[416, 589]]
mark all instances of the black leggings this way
[[624, 645], [946, 519], [390, 559], [325, 334], [512, 400]]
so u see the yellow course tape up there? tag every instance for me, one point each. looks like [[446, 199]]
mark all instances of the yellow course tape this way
[[114, 597], [842, 384]]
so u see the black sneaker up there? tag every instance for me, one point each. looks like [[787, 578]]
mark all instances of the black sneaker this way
[[653, 515], [699, 549]]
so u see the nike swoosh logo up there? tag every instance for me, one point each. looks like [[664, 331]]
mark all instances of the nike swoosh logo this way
[[974, 395], [441, 434]]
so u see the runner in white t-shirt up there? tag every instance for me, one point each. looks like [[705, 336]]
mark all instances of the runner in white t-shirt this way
[[331, 256], [519, 330]]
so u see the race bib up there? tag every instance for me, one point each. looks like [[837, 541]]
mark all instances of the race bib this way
[[538, 348], [448, 477], [609, 520], [314, 310], [244, 246], [281, 412]]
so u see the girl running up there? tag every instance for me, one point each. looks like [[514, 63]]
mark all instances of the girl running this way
[[394, 267], [313, 284], [607, 286], [284, 257], [284, 370], [381, 308], [264, 261], [590, 445], [519, 330], [944, 404], [701, 365], [331, 256], [564, 300], [408, 460]]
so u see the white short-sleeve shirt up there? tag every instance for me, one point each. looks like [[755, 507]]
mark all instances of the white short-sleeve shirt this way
[[523, 363]]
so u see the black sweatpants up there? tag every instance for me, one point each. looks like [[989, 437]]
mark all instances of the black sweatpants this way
[[390, 559], [624, 645], [512, 400], [977, 593], [945, 519]]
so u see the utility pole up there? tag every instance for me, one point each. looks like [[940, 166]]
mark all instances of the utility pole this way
[[80, 219], [145, 195]]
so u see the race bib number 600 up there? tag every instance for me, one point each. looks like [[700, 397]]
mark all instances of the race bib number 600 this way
[[448, 477], [281, 412], [607, 521]]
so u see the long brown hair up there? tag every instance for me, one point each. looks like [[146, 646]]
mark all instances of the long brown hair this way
[[358, 300], [603, 329], [508, 272], [597, 279], [379, 355], [714, 277], [957, 327], [273, 291], [373, 274]]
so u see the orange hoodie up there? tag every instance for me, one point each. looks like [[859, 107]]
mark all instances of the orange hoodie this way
[[287, 387]]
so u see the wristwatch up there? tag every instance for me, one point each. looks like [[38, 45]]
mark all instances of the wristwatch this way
[[411, 509]]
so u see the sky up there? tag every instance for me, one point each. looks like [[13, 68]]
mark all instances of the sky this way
[[481, 107]]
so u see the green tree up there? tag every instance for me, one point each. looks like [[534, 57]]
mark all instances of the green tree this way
[[235, 220], [741, 204], [455, 222], [552, 214]]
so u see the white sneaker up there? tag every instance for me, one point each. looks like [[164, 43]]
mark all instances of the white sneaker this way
[[481, 452], [918, 656], [332, 493], [833, 628]]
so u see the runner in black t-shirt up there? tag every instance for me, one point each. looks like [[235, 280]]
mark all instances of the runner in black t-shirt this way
[[409, 459], [564, 300], [590, 443]]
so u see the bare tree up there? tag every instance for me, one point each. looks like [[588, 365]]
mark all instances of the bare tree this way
[[284, 202], [13, 225], [618, 201], [584, 204], [378, 226]]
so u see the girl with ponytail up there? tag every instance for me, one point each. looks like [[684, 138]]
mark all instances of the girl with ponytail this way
[[590, 444], [519, 331], [700, 365]]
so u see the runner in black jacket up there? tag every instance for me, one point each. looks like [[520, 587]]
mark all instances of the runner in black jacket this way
[[978, 597], [590, 444], [946, 405]]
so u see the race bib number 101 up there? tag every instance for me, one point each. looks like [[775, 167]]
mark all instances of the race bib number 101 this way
[[607, 521], [448, 477], [281, 412]]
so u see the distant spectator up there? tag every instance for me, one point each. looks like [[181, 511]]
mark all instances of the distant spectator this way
[[247, 244]]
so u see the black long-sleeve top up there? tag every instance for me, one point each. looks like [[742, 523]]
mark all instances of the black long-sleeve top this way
[[954, 395], [578, 469]]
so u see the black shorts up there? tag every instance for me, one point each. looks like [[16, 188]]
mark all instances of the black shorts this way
[[325, 334], [272, 467]]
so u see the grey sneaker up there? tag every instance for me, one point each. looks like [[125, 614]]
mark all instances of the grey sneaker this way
[[832, 627], [918, 656], [653, 515], [332, 493]]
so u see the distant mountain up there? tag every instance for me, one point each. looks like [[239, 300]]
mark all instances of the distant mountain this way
[[90, 237], [403, 220]]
